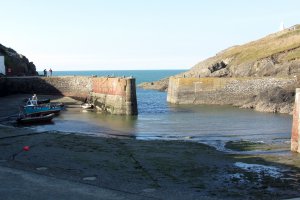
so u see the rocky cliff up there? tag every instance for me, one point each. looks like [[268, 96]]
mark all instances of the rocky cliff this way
[[17, 64]]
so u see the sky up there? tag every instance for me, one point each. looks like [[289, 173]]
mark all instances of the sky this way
[[135, 34]]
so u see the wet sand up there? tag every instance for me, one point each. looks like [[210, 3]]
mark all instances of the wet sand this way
[[147, 169]]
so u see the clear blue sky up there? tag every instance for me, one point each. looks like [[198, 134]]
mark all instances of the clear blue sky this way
[[135, 34]]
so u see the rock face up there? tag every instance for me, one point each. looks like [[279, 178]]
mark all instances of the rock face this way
[[276, 100], [161, 85], [17, 64]]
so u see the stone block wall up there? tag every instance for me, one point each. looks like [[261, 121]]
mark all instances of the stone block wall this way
[[67, 86], [112, 95], [115, 95], [220, 90]]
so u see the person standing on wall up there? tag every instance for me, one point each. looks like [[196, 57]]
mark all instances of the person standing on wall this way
[[45, 72], [50, 71]]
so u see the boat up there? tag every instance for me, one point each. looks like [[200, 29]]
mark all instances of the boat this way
[[44, 109], [87, 106], [35, 118], [29, 101], [41, 109], [32, 108]]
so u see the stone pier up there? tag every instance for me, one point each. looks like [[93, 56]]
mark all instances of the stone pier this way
[[115, 95], [212, 90], [296, 126]]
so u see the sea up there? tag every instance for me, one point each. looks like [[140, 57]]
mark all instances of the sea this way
[[158, 120]]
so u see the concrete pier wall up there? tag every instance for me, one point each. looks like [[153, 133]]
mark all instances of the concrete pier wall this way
[[113, 95], [296, 126], [220, 90]]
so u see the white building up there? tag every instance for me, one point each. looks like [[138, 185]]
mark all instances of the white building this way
[[2, 65]]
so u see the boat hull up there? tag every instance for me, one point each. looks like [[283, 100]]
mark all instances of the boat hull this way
[[32, 119], [28, 110]]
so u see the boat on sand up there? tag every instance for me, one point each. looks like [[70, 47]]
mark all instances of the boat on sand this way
[[35, 118], [39, 101], [32, 108]]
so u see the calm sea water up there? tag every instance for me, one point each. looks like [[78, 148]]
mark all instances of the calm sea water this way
[[211, 124]]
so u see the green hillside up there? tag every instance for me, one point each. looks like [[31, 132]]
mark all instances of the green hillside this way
[[273, 44], [275, 54]]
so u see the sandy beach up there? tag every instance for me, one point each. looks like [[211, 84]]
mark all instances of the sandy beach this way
[[142, 169]]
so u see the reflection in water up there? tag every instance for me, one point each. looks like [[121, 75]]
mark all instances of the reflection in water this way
[[159, 120], [91, 122]]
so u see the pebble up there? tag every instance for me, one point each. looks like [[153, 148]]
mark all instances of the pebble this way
[[92, 178]]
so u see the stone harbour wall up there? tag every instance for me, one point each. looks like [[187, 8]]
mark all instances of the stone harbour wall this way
[[114, 95], [231, 91]]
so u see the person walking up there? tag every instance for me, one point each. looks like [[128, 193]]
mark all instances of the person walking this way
[[50, 71]]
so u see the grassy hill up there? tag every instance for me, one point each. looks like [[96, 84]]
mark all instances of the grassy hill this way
[[277, 54], [278, 43]]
